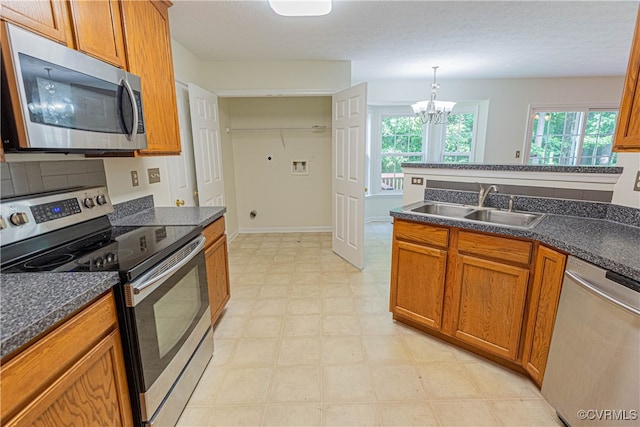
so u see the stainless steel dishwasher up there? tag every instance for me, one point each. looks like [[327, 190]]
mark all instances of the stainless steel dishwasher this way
[[593, 371]]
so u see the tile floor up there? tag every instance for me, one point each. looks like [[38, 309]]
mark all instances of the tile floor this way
[[307, 340]]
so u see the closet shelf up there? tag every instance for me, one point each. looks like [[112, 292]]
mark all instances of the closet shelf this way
[[315, 128]]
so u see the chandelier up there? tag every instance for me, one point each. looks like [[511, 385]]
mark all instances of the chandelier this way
[[433, 111]]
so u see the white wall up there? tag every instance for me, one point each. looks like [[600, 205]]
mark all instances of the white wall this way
[[187, 67], [509, 101], [228, 169], [623, 193], [284, 202]]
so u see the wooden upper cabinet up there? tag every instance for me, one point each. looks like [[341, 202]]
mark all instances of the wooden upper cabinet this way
[[148, 45], [488, 304], [627, 136], [97, 30], [545, 295], [46, 17]]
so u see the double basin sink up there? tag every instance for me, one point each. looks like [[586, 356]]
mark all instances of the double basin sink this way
[[491, 216]]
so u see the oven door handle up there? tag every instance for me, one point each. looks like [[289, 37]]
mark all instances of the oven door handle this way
[[140, 287]]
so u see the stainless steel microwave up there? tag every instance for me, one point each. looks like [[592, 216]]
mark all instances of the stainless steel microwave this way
[[62, 100]]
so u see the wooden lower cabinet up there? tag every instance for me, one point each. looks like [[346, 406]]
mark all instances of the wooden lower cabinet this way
[[74, 375], [487, 293], [545, 295], [421, 272], [217, 258], [488, 304]]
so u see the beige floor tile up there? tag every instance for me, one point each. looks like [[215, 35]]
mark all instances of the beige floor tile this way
[[396, 382], [255, 352], [340, 324], [262, 327], [195, 416], [209, 384], [426, 349], [302, 325], [300, 351], [301, 267], [298, 384], [244, 385], [304, 291], [304, 306], [524, 412], [280, 291], [336, 290], [292, 415], [335, 277], [224, 349], [307, 278], [282, 279], [281, 268], [386, 349], [340, 350], [407, 414], [372, 305], [240, 307], [447, 381], [496, 382], [229, 326], [228, 415], [464, 413], [349, 415], [250, 279], [242, 292], [269, 307], [347, 383], [338, 305], [378, 324], [256, 268]]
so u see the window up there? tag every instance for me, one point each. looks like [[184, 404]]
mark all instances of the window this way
[[575, 136], [398, 136]]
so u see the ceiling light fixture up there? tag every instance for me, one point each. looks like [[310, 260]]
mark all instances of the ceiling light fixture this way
[[301, 7], [433, 111]]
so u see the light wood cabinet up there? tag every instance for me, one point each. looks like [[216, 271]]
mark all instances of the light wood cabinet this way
[[627, 137], [217, 258], [92, 27], [46, 17], [545, 295], [488, 304], [148, 45], [74, 375]]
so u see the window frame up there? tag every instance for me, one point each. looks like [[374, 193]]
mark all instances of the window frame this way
[[586, 109]]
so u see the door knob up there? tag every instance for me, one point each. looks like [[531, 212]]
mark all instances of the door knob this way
[[179, 202], [195, 193]]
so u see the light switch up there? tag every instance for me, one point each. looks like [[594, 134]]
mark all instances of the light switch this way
[[636, 184]]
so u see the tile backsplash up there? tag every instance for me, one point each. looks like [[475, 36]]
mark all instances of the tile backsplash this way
[[20, 178]]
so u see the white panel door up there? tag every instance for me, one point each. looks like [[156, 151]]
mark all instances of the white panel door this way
[[349, 125], [206, 146], [182, 176]]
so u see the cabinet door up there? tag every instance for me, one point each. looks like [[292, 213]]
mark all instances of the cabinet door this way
[[97, 27], [92, 392], [488, 304], [417, 283], [218, 277], [148, 44], [627, 136], [545, 294], [45, 17]]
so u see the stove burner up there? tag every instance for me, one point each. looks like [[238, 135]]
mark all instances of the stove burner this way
[[47, 262], [89, 245]]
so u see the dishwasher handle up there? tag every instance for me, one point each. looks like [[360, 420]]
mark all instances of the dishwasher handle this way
[[595, 290]]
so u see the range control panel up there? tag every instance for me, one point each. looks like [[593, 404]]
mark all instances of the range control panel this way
[[30, 216]]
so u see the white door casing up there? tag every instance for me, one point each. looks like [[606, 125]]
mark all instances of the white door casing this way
[[349, 110], [182, 177], [207, 148]]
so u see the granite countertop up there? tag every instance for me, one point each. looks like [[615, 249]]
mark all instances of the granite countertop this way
[[607, 244], [202, 216], [34, 302], [516, 167]]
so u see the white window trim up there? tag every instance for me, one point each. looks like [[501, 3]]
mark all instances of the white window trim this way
[[586, 108], [462, 108]]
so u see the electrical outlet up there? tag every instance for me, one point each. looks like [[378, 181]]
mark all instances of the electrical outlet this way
[[154, 175], [134, 178], [636, 184], [417, 180]]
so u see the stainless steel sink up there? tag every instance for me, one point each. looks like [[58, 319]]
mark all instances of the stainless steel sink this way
[[514, 219], [443, 209], [472, 213]]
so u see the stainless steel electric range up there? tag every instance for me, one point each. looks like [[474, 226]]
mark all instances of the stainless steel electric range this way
[[162, 298]]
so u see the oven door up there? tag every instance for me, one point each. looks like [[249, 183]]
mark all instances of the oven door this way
[[169, 312]]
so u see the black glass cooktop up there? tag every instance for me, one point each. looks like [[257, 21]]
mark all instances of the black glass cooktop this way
[[127, 250]]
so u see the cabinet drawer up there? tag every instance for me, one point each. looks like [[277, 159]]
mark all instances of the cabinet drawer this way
[[422, 233], [500, 248], [213, 231]]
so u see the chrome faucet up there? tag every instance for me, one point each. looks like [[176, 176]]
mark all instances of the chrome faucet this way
[[482, 195]]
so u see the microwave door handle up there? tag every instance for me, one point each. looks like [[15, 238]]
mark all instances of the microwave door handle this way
[[134, 108], [140, 287]]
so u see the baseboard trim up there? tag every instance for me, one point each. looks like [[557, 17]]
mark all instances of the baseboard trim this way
[[383, 218], [325, 229], [232, 236]]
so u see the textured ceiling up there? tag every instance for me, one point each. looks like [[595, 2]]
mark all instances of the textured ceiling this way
[[404, 39]]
